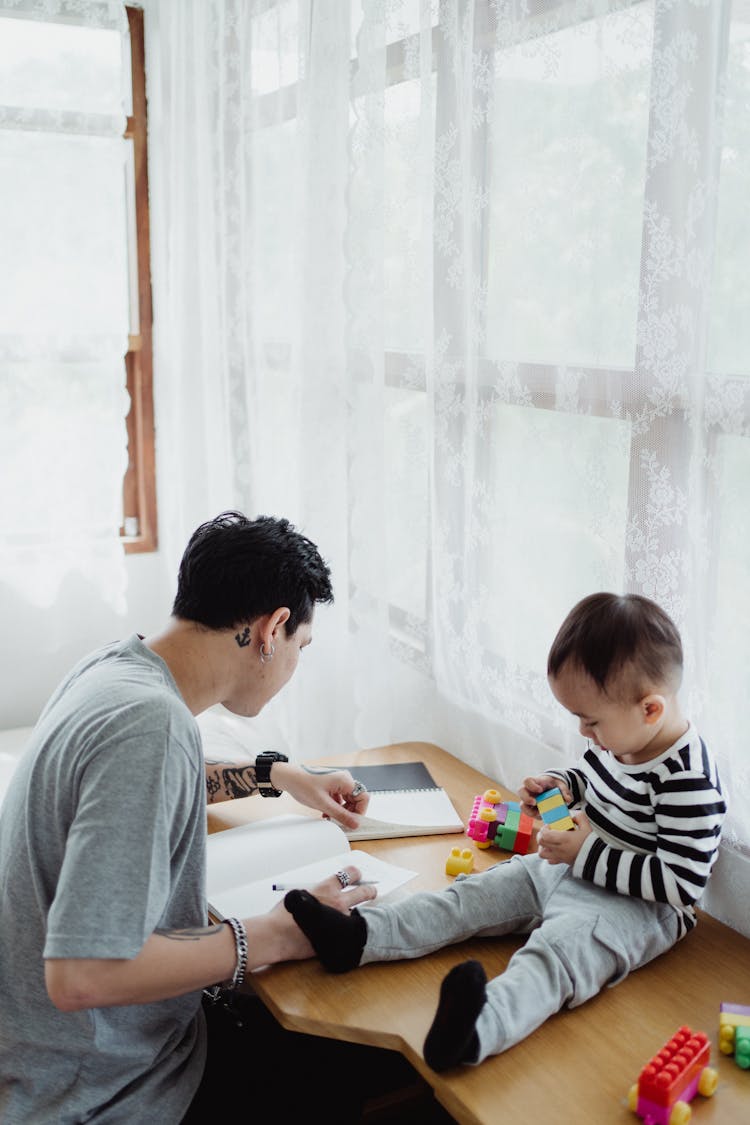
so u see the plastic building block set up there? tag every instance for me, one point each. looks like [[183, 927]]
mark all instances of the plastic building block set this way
[[672, 1078], [498, 822], [734, 1033]]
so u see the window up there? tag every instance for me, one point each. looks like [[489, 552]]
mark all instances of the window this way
[[139, 528], [77, 459]]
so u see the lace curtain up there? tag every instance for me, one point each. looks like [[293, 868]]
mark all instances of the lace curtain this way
[[460, 288], [63, 311]]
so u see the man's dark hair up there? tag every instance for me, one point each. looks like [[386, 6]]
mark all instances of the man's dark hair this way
[[624, 642], [235, 569]]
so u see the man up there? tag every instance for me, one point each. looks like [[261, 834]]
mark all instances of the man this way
[[104, 947]]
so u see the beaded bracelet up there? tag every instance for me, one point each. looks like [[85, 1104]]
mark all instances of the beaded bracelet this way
[[240, 941]]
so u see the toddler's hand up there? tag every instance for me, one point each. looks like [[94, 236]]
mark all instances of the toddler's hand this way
[[533, 786], [559, 846]]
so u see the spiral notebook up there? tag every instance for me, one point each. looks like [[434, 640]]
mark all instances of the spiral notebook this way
[[405, 800]]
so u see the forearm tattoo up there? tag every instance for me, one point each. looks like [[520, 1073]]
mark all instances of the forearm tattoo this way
[[193, 933], [227, 782]]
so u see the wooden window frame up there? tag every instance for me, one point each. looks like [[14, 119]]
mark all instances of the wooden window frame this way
[[139, 527]]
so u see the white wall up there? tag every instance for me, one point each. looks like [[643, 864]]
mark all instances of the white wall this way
[[39, 645]]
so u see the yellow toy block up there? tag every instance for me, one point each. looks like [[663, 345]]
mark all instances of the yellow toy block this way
[[563, 824], [734, 1019], [459, 862]]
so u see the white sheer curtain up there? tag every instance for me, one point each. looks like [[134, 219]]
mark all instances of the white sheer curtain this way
[[64, 311], [461, 289]]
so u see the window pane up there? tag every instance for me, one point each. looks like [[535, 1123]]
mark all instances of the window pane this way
[[568, 167], [60, 67], [272, 169], [407, 497], [63, 455], [274, 56], [400, 18], [555, 523], [729, 663], [64, 234], [406, 190], [729, 337]]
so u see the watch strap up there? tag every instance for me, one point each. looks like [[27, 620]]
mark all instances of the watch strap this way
[[263, 763]]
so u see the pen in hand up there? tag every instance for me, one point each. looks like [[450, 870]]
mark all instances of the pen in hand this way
[[359, 883]]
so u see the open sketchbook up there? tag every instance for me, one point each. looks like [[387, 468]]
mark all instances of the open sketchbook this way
[[244, 863], [405, 800]]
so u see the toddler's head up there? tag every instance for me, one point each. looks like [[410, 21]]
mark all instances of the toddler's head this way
[[616, 663]]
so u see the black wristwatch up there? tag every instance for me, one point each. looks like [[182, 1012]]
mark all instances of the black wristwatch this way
[[263, 764]]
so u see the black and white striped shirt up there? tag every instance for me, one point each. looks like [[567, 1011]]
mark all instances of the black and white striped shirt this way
[[656, 826]]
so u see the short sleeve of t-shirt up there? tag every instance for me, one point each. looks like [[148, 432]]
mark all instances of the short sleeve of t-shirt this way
[[138, 813]]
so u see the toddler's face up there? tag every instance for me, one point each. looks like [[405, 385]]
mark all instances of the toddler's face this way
[[618, 727]]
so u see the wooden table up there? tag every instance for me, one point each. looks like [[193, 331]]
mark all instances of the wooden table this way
[[580, 1064]]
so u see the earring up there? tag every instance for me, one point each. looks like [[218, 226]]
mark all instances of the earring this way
[[266, 657]]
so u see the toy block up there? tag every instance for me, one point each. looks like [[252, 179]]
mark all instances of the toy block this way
[[554, 811], [672, 1069], [739, 1012], [553, 815], [459, 861], [479, 824], [523, 836], [742, 1047], [505, 838], [738, 1015], [673, 1077], [551, 798]]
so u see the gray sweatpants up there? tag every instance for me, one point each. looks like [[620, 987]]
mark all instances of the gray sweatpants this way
[[581, 938]]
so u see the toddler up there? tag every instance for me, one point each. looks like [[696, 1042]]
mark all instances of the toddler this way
[[596, 901]]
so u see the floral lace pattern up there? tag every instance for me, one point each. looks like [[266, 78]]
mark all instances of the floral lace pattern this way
[[473, 301]]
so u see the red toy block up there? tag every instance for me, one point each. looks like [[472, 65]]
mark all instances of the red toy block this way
[[672, 1078]]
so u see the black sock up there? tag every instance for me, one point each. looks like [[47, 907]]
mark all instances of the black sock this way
[[338, 939], [453, 1038]]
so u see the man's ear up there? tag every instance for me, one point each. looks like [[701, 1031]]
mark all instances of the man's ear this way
[[267, 627], [653, 708], [276, 620]]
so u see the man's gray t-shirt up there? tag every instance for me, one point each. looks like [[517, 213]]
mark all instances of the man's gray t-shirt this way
[[102, 840]]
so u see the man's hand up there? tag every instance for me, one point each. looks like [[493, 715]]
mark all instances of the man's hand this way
[[558, 846], [332, 792], [280, 936], [341, 898], [532, 787]]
